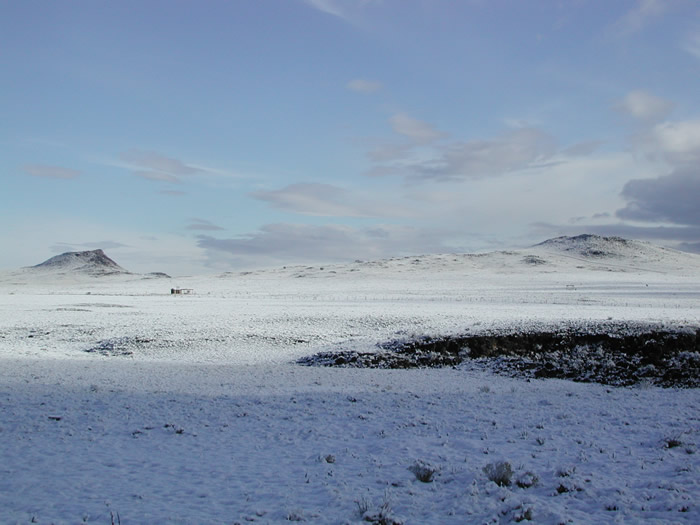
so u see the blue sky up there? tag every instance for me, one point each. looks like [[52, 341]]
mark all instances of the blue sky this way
[[197, 137]]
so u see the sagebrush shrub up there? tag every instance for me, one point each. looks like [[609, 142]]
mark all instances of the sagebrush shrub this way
[[423, 471], [500, 473]]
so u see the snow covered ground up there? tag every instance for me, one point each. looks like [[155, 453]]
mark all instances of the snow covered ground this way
[[120, 399]]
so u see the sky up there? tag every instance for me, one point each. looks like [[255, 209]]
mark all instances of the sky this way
[[201, 137]]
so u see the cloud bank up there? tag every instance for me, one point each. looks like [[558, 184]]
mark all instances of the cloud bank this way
[[323, 243]]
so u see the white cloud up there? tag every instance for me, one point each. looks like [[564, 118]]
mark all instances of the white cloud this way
[[364, 86], [417, 130], [678, 141], [644, 106], [51, 172]]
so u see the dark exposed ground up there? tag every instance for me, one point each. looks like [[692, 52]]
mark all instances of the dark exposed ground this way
[[610, 353]]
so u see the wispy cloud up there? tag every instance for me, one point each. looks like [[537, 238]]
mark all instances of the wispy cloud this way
[[344, 9], [331, 7], [157, 176], [364, 86], [202, 225], [516, 150], [326, 200], [155, 166], [640, 16], [417, 130], [691, 44], [644, 106], [583, 149], [157, 162], [48, 171], [61, 247]]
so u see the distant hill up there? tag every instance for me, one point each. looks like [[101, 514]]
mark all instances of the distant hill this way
[[588, 245], [93, 262], [561, 254], [598, 247]]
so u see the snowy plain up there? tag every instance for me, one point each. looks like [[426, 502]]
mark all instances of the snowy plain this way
[[122, 402]]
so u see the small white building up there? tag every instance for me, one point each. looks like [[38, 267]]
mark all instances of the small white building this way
[[181, 291]]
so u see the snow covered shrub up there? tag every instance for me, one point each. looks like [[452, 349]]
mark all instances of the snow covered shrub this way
[[423, 471], [500, 473], [673, 442], [566, 486], [566, 472], [523, 514], [363, 505], [295, 515], [527, 479], [383, 516]]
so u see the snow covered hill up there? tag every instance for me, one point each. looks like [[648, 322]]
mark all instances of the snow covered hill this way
[[618, 251], [566, 256], [93, 262], [74, 269]]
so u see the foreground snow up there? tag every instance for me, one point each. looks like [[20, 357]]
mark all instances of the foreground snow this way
[[205, 444], [119, 399]]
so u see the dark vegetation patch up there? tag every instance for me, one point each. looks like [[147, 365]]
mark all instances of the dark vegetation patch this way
[[609, 353], [534, 260], [118, 346]]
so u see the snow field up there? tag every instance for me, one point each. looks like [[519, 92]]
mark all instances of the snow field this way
[[118, 398], [317, 444]]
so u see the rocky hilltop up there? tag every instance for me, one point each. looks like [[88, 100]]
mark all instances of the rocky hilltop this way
[[599, 247]]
